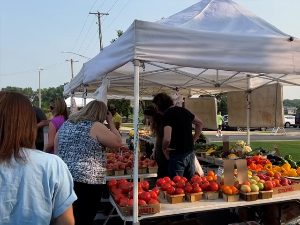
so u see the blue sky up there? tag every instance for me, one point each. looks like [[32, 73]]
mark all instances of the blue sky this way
[[34, 33]]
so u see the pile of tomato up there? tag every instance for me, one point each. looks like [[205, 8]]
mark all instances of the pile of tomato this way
[[123, 193], [257, 163]]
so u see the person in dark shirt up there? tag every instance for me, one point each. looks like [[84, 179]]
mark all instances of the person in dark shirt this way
[[42, 122], [178, 139]]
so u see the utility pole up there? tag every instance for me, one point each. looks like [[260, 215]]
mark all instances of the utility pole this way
[[40, 96], [72, 61], [99, 24]]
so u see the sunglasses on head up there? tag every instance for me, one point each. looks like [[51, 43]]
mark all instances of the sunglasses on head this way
[[52, 107]]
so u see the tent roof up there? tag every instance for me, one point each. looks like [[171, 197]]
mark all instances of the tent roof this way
[[184, 51]]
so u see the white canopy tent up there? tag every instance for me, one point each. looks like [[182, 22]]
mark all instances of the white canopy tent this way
[[211, 47]]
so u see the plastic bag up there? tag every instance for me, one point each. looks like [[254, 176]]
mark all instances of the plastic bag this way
[[198, 168]]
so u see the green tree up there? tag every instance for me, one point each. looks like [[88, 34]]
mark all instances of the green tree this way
[[119, 34], [31, 94], [123, 106]]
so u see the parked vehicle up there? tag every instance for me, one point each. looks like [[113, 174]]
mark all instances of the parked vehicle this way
[[227, 127], [289, 121], [297, 120]]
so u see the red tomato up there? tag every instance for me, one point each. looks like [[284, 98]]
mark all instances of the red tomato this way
[[117, 191], [171, 190], [188, 189], [118, 197], [198, 180], [195, 176], [153, 201], [205, 186], [142, 202], [111, 183], [273, 183], [214, 186], [180, 185], [188, 184], [176, 179], [167, 178], [195, 185], [171, 182], [130, 203], [123, 201], [197, 190], [179, 191], [145, 185], [146, 196], [159, 182], [156, 190], [121, 181], [153, 194], [165, 186], [268, 186], [203, 178], [139, 185], [140, 191], [184, 179], [126, 187]]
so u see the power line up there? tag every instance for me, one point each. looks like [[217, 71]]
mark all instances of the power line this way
[[83, 27]]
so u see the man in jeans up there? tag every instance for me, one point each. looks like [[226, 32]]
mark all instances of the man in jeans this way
[[178, 139]]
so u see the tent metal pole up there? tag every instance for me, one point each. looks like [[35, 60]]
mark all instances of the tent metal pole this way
[[84, 96], [248, 105], [136, 64]]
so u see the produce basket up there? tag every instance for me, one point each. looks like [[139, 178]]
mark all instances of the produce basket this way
[[145, 209], [152, 169], [193, 197], [265, 194], [119, 172], [110, 172], [231, 198], [142, 170], [174, 199], [162, 194], [128, 171], [252, 196], [211, 195]]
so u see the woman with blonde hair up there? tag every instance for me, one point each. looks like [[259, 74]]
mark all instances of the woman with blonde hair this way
[[35, 187], [59, 110], [81, 143]]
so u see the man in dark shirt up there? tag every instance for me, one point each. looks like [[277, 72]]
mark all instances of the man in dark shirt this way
[[42, 122], [178, 139]]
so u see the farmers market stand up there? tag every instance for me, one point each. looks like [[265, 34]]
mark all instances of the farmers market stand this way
[[168, 209]]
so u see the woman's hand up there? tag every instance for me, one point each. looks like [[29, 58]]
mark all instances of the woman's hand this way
[[109, 117]]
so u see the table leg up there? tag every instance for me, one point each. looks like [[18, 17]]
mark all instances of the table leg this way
[[109, 215]]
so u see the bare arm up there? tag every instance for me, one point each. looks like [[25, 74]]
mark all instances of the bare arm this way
[[52, 133], [167, 137], [109, 138], [43, 123], [67, 218], [56, 144], [198, 128]]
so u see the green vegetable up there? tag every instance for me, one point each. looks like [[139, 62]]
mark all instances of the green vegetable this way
[[293, 164], [288, 157], [257, 152]]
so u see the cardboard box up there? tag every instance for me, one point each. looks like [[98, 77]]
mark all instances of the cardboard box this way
[[110, 172], [145, 209], [174, 199], [162, 194], [231, 198], [119, 172], [280, 190], [252, 196], [289, 211], [142, 170], [152, 169], [193, 197], [211, 195], [265, 194]]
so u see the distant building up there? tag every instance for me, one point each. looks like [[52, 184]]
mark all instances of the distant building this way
[[290, 110]]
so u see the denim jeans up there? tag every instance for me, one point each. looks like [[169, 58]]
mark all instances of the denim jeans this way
[[182, 165]]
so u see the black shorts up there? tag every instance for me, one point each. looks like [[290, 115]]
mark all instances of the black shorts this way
[[219, 127]]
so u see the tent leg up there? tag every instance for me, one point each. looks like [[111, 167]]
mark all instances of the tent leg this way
[[248, 103], [84, 96], [136, 64]]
